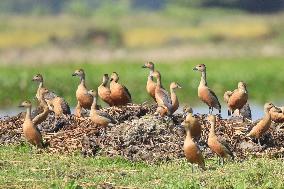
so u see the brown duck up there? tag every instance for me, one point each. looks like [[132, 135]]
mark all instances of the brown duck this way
[[193, 122], [174, 99], [277, 114], [192, 151], [151, 85], [84, 100], [261, 127], [54, 102], [31, 132], [236, 99], [119, 93], [104, 91], [205, 93], [98, 117], [163, 98], [217, 144]]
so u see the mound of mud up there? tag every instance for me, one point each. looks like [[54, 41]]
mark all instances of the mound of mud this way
[[141, 136]]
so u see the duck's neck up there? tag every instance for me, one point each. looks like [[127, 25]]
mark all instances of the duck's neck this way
[[267, 115], [28, 114], [82, 80], [203, 78], [104, 83], [212, 130], [188, 135], [150, 74], [40, 86], [173, 96], [159, 82], [94, 104]]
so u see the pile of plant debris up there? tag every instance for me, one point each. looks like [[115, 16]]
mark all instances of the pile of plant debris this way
[[140, 135]]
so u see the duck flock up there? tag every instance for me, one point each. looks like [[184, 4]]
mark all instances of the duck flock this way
[[117, 95]]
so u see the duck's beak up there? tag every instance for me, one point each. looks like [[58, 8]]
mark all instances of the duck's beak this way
[[144, 66], [74, 74], [195, 69], [20, 106]]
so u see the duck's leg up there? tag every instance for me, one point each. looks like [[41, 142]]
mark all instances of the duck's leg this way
[[191, 168], [258, 140]]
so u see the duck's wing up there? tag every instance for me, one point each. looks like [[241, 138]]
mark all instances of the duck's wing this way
[[215, 98], [127, 92], [226, 146]]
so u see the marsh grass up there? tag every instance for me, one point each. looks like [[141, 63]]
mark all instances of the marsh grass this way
[[262, 75], [21, 168]]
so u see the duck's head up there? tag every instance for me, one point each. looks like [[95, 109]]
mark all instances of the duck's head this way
[[105, 78], [114, 77], [200, 67], [242, 85], [79, 72], [149, 65], [268, 106], [92, 92], [187, 109], [37, 78], [175, 85], [26, 104]]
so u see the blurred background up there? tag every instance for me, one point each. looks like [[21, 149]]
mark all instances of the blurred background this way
[[236, 39]]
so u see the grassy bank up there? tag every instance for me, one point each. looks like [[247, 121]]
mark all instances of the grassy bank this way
[[263, 76], [20, 169]]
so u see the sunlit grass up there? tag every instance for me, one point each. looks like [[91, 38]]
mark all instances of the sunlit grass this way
[[22, 169]]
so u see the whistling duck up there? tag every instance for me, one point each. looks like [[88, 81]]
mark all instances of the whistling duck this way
[[163, 98], [174, 99], [43, 115], [277, 114], [193, 122], [217, 144], [99, 117], [192, 151], [104, 92], [151, 85], [84, 100], [54, 102], [205, 93], [31, 132], [261, 127], [236, 99], [119, 93]]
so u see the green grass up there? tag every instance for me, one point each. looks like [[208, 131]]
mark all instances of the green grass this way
[[262, 75], [22, 169]]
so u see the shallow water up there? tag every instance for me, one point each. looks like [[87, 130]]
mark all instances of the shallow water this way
[[257, 111]]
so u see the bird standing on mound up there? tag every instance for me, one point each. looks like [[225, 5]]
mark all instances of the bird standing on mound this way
[[192, 151], [31, 132], [217, 144], [163, 98], [104, 91], [174, 99], [119, 93], [193, 122], [236, 99], [151, 85], [205, 93], [54, 102], [261, 127], [84, 100], [99, 117]]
